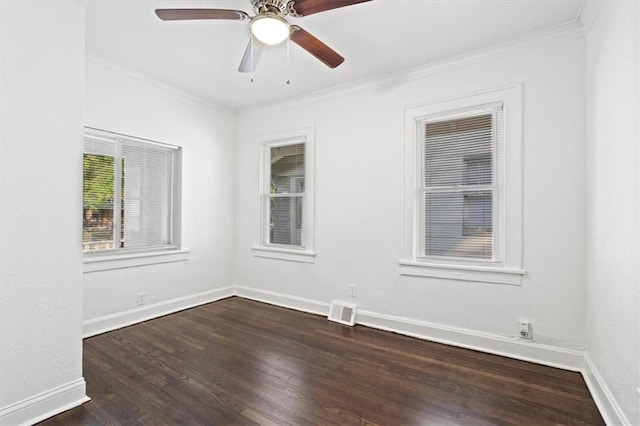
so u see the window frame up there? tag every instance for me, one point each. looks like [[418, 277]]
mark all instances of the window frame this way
[[117, 258], [305, 252], [506, 265], [497, 172]]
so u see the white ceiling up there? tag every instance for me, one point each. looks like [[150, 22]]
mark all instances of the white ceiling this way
[[379, 38]]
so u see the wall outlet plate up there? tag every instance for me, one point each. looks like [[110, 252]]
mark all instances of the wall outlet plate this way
[[353, 290], [141, 298], [524, 328]]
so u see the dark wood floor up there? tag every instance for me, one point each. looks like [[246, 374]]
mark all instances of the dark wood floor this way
[[242, 362]]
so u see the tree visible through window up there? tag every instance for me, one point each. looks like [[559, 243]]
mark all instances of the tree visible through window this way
[[129, 193], [98, 196]]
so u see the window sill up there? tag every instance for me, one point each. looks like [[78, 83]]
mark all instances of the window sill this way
[[96, 263], [462, 273], [292, 255]]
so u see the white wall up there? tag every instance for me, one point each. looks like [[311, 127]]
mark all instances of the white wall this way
[[124, 103], [359, 173], [359, 160], [612, 205], [42, 80]]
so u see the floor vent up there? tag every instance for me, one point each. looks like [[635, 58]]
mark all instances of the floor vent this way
[[342, 312]]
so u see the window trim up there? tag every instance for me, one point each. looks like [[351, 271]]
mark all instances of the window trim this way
[[508, 267], [304, 253], [118, 258], [282, 253], [111, 261]]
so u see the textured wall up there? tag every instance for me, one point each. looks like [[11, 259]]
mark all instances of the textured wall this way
[[42, 83], [613, 215], [358, 198], [119, 102]]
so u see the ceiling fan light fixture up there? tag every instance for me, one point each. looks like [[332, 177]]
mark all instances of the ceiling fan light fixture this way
[[270, 28]]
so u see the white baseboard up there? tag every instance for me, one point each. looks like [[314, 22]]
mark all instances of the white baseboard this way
[[45, 405], [552, 356], [122, 319], [527, 351], [284, 300], [604, 399]]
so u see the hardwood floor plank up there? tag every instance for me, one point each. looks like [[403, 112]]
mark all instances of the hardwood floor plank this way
[[241, 362]]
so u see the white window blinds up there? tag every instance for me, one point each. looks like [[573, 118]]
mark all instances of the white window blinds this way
[[148, 194], [129, 193], [458, 191]]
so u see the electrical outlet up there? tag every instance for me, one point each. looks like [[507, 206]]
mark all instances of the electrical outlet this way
[[140, 298], [524, 328], [353, 290]]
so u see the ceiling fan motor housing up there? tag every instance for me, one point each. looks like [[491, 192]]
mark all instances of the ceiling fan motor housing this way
[[278, 7], [270, 27]]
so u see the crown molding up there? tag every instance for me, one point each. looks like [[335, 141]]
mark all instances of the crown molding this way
[[172, 90], [567, 31], [563, 32], [588, 14]]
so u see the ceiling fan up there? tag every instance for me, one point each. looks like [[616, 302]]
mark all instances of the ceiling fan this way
[[269, 26]]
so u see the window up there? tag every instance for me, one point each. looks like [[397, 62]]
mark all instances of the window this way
[[286, 197], [130, 194], [458, 185], [462, 215]]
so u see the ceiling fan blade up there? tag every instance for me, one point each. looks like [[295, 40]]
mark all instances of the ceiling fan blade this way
[[182, 14], [321, 51], [246, 65], [309, 7]]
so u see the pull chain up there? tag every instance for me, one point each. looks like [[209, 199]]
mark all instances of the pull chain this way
[[288, 44], [252, 70]]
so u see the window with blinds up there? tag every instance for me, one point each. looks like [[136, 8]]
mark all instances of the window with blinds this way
[[284, 198], [458, 185], [129, 193]]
